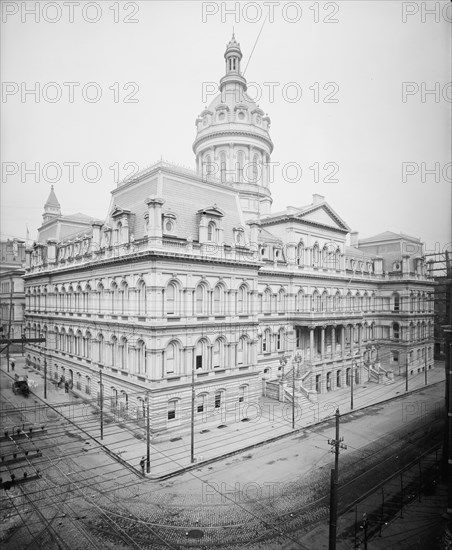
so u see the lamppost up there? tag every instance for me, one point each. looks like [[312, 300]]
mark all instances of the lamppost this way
[[296, 361], [352, 378], [283, 363], [101, 388]]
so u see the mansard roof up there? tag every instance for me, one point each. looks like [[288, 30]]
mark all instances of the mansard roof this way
[[183, 192]]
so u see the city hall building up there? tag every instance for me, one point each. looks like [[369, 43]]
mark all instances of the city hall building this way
[[192, 281]]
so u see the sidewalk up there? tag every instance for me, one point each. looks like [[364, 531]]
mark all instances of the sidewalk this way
[[170, 453]]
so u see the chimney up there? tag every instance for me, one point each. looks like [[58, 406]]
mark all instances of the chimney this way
[[354, 238], [317, 199]]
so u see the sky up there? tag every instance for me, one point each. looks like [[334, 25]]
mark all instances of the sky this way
[[358, 92]]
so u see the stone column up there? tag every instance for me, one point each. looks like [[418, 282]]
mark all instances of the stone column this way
[[311, 342], [333, 341]]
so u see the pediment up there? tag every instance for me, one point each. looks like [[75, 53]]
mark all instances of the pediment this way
[[211, 211], [325, 216], [118, 211]]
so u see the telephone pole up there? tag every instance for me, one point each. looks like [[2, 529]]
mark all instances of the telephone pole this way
[[192, 434], [148, 436], [337, 445]]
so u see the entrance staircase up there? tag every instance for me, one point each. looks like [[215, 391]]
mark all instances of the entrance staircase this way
[[379, 375]]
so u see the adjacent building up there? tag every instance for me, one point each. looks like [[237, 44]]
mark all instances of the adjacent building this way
[[192, 281]]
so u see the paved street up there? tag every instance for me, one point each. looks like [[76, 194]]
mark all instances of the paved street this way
[[268, 419], [280, 487]]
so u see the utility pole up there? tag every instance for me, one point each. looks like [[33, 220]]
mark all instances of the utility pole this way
[[148, 436], [101, 405], [192, 438], [406, 373], [425, 368], [295, 365], [351, 384], [9, 319], [45, 378], [337, 445]]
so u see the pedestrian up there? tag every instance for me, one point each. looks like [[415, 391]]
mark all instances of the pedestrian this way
[[13, 364], [66, 387], [142, 463]]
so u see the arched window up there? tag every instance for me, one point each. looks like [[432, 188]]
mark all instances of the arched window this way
[[124, 299], [141, 357], [141, 298], [316, 301], [243, 393], [223, 166], [114, 298], [242, 300], [315, 255], [280, 339], [300, 301], [114, 360], [300, 253], [337, 259], [324, 301], [170, 299], [348, 301], [207, 171], [267, 300], [171, 358], [173, 410], [243, 351], [100, 348], [240, 163], [201, 359], [266, 341], [218, 300], [281, 301], [396, 302], [396, 331], [87, 345], [256, 168], [218, 359], [211, 232], [201, 300], [123, 350]]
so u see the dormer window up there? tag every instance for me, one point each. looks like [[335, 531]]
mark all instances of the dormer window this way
[[211, 231], [169, 222], [239, 236]]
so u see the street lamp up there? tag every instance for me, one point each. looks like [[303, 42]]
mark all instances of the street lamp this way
[[352, 377], [283, 363], [101, 387], [296, 361]]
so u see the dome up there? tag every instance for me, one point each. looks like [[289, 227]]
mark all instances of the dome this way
[[232, 141]]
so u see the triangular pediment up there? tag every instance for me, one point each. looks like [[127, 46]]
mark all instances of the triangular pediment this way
[[118, 211], [323, 215]]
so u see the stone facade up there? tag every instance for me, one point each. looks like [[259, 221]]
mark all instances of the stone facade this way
[[191, 278]]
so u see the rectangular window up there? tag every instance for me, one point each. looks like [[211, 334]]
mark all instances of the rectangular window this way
[[199, 361], [172, 410], [218, 400]]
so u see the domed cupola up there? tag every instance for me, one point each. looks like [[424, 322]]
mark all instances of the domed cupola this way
[[232, 143]]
